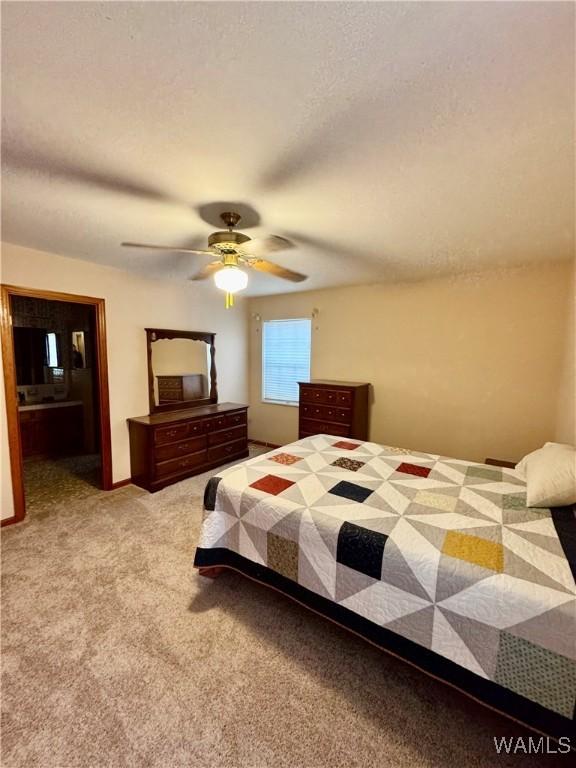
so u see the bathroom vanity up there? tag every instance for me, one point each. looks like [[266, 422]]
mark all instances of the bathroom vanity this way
[[51, 428]]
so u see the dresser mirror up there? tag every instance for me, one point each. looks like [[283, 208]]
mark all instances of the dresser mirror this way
[[181, 369]]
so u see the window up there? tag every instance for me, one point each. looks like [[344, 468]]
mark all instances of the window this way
[[285, 359], [51, 350]]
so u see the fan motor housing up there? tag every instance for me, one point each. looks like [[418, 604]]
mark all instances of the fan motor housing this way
[[227, 240]]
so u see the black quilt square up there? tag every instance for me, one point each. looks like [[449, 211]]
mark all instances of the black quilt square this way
[[361, 549], [210, 493], [351, 491]]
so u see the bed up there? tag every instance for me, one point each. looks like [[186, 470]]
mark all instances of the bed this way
[[436, 560]]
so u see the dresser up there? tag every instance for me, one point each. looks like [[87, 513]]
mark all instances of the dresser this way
[[190, 386], [168, 447], [334, 408]]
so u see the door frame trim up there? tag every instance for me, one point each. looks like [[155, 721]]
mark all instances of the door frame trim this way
[[10, 388]]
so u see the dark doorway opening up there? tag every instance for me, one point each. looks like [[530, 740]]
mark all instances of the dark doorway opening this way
[[54, 352]]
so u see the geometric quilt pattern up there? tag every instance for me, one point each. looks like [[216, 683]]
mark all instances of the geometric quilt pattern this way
[[440, 551]]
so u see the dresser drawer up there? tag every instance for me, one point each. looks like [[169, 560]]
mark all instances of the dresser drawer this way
[[197, 427], [313, 427], [216, 422], [170, 434], [172, 450], [236, 419], [230, 449], [227, 435], [326, 412], [183, 464]]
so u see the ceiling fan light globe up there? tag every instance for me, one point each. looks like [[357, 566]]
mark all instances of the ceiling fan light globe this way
[[231, 279]]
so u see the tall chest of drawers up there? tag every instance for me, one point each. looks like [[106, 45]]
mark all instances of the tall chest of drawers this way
[[174, 389], [168, 447], [334, 408]]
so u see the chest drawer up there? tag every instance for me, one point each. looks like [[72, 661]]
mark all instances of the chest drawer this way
[[227, 435], [170, 394], [313, 427], [310, 395], [183, 464], [338, 397], [170, 434], [326, 412], [173, 450], [170, 382], [326, 396], [223, 451]]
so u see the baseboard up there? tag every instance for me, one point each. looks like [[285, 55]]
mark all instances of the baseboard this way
[[12, 520], [265, 445]]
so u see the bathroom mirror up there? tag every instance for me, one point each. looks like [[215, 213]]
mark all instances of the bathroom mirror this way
[[36, 352], [181, 369]]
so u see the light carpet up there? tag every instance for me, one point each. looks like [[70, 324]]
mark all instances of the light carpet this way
[[117, 654]]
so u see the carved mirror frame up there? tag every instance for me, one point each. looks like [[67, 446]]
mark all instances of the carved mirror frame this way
[[155, 334]]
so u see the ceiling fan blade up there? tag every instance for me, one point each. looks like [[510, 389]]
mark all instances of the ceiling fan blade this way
[[274, 269], [261, 246], [61, 168], [207, 271], [168, 248]]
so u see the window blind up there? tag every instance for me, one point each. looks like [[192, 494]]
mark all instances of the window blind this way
[[285, 358]]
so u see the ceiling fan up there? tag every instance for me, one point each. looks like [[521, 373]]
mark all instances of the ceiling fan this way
[[232, 250]]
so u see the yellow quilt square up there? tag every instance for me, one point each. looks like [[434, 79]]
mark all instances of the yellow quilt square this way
[[473, 549]]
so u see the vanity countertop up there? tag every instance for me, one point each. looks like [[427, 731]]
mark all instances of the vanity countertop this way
[[43, 406]]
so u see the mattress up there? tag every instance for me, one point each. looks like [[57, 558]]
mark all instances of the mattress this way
[[437, 560]]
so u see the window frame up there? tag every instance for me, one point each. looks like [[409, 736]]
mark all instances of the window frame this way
[[263, 398]]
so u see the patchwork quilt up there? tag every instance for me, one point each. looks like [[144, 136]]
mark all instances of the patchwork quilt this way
[[435, 559]]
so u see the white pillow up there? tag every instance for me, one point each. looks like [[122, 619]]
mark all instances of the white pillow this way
[[550, 474]]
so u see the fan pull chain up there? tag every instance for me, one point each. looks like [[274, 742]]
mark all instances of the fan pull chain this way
[[229, 300]]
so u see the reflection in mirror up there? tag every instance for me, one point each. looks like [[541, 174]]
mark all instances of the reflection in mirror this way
[[180, 369], [36, 351], [78, 350]]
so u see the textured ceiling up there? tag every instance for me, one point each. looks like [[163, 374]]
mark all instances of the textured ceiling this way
[[389, 140]]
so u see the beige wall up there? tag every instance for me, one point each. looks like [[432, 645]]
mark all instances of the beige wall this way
[[132, 303], [465, 366], [566, 410]]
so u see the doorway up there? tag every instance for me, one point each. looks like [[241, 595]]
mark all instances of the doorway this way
[[57, 404]]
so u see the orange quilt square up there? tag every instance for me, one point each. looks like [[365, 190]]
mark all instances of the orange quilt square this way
[[346, 445], [272, 484], [285, 458]]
